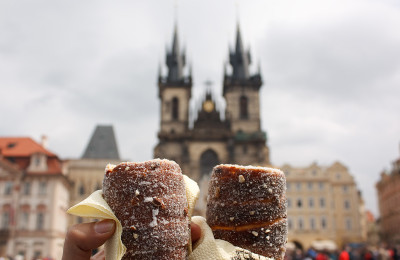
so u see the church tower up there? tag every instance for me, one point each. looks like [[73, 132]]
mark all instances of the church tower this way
[[241, 91], [174, 92]]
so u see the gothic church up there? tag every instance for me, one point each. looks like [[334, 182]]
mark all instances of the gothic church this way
[[211, 140]]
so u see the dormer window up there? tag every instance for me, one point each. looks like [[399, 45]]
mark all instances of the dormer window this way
[[38, 163]]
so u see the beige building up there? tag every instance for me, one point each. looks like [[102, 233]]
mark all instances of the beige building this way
[[389, 203], [34, 199], [324, 206], [87, 173]]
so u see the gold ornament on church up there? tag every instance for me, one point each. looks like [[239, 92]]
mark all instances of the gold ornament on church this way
[[208, 106]]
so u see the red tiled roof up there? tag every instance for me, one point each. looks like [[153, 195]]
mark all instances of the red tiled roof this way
[[21, 147]]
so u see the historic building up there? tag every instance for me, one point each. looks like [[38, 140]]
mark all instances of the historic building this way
[[388, 188], [34, 199], [87, 172], [237, 138], [325, 208]]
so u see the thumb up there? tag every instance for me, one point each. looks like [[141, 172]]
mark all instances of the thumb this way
[[82, 238]]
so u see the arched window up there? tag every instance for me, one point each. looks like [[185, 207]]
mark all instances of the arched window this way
[[175, 108], [244, 113], [208, 160]]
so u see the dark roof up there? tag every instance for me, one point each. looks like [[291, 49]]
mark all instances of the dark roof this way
[[240, 59], [102, 145], [175, 60]]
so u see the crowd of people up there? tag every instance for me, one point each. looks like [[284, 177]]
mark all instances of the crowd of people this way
[[359, 252]]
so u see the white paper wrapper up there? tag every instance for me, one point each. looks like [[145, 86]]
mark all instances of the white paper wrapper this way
[[209, 248]]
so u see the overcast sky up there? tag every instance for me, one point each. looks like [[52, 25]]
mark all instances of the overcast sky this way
[[331, 72]]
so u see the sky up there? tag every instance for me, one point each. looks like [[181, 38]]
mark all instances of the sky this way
[[331, 72]]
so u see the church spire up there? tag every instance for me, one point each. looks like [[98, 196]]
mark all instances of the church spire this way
[[175, 60], [240, 59]]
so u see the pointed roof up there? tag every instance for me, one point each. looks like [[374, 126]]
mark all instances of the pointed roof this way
[[102, 144], [175, 60], [240, 59]]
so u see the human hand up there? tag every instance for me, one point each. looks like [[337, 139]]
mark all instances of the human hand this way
[[82, 238]]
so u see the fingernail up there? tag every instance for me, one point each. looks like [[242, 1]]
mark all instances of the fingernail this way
[[104, 226]]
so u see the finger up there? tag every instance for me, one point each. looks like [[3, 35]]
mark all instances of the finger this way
[[82, 238], [99, 255], [196, 232]]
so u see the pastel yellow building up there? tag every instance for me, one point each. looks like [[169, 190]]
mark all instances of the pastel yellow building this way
[[325, 207]]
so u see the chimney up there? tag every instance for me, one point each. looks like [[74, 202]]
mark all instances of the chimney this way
[[44, 141]]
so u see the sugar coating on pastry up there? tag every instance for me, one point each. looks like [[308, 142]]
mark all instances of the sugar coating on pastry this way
[[246, 206], [149, 199]]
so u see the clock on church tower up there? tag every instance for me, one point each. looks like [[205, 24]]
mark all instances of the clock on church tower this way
[[208, 106]]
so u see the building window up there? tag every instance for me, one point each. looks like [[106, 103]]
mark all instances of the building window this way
[[24, 220], [348, 224], [347, 204], [345, 188], [290, 223], [289, 203], [8, 188], [310, 185], [37, 255], [338, 176], [40, 221], [37, 160], [244, 113], [5, 220], [42, 188], [298, 186], [81, 190], [288, 186], [323, 222], [26, 189], [322, 202], [311, 202], [299, 203], [301, 224], [175, 108], [321, 185], [312, 223]]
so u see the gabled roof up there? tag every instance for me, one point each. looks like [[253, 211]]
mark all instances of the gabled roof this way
[[21, 147], [102, 145]]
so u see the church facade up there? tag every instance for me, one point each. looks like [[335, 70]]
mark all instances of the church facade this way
[[211, 140], [325, 208]]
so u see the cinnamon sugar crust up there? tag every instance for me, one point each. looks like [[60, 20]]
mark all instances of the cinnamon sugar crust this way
[[246, 206], [149, 199]]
